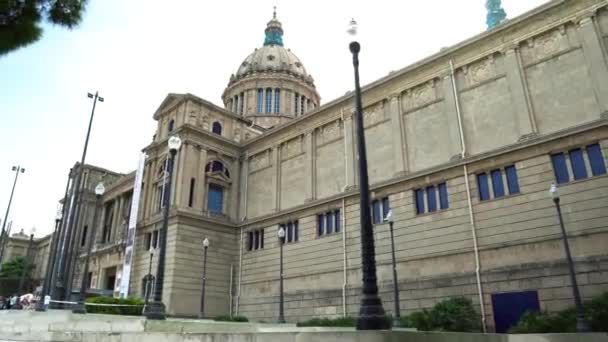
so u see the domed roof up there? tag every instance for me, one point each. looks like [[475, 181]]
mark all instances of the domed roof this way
[[273, 57]]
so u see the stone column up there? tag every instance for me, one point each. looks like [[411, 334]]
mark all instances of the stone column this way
[[523, 111], [397, 133], [199, 195], [596, 63], [309, 148], [189, 165], [277, 178], [149, 190], [452, 116], [244, 178], [349, 157], [177, 185]]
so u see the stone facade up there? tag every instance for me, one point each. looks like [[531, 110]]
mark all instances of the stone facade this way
[[533, 86]]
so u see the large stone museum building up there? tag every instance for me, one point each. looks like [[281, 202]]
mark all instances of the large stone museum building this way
[[462, 146]]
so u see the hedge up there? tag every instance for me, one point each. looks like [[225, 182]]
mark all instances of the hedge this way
[[228, 318], [595, 312], [115, 310]]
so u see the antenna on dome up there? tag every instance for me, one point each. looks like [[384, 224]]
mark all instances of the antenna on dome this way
[[274, 12]]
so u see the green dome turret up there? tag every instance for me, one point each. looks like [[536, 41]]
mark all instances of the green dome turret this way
[[274, 31]]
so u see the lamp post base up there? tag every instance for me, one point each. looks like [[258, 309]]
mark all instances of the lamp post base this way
[[581, 325], [371, 315], [40, 307], [397, 322], [80, 308], [155, 310], [201, 315]]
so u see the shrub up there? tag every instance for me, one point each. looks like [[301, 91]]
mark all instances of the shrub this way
[[329, 322], [596, 314], [115, 310], [454, 314], [228, 318]]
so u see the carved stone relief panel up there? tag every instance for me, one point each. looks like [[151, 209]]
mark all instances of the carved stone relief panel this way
[[373, 114], [329, 132], [259, 161], [292, 147], [419, 95], [546, 44], [479, 71]]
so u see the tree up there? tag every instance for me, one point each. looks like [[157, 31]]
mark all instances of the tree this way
[[20, 19], [10, 275]]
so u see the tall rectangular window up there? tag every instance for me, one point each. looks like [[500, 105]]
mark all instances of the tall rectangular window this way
[[321, 225], [277, 100], [155, 238], [260, 100], [268, 100], [296, 233], [443, 196], [256, 239], [215, 199], [385, 207], [338, 221], [302, 100], [291, 231], [431, 198], [329, 222], [261, 244], [578, 164], [191, 196], [497, 184], [147, 241], [250, 241], [512, 182], [482, 185], [596, 159], [376, 212], [419, 201], [559, 168], [296, 102], [83, 240], [241, 103]]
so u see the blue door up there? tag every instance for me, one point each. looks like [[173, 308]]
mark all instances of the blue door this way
[[216, 199], [509, 307]]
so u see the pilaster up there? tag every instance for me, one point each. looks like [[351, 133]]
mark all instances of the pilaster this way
[[200, 194], [244, 178], [277, 177], [594, 56], [309, 178], [397, 133], [177, 183], [522, 108], [349, 150], [449, 86]]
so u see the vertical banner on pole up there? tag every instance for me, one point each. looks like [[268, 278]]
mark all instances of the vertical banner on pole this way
[[126, 267]]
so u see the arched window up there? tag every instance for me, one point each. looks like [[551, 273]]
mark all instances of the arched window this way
[[277, 100], [260, 100], [268, 100], [216, 128], [171, 126]]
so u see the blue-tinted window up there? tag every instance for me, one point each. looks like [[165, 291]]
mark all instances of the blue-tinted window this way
[[277, 100], [216, 199], [338, 222], [512, 182], [329, 223], [559, 168], [320, 224], [596, 159], [385, 207], [443, 196], [376, 212], [431, 198], [482, 186], [419, 201], [578, 164], [256, 239], [497, 185], [216, 128], [268, 100], [295, 231], [260, 100], [288, 228]]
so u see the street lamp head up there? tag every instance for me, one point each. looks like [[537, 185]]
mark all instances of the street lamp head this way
[[33, 231], [89, 95], [100, 99], [389, 216], [553, 191], [174, 143], [100, 189], [352, 27], [281, 233], [14, 168], [206, 243]]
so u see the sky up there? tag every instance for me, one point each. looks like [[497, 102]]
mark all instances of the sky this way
[[136, 52]]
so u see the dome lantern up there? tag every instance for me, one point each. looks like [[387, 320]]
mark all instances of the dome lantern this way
[[274, 31]]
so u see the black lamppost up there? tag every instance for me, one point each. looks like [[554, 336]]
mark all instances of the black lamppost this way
[[371, 312], [205, 246], [281, 235], [17, 169], [149, 278], [581, 324], [26, 262], [74, 210], [81, 307], [156, 309], [44, 301], [397, 316]]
